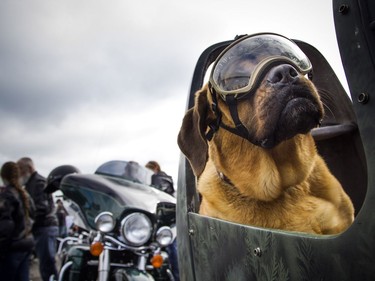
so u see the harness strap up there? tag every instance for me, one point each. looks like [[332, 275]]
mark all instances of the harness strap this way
[[215, 124], [224, 178], [239, 129]]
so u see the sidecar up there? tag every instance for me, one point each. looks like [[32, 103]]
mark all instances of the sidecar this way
[[213, 249]]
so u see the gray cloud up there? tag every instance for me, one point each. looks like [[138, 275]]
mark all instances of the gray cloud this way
[[84, 81]]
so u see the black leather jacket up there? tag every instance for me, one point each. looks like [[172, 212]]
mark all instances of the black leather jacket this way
[[15, 227], [163, 182], [44, 206]]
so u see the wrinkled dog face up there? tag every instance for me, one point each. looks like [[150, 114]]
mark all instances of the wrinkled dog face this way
[[284, 104], [281, 103]]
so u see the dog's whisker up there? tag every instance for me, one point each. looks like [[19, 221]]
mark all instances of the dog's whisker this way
[[328, 102]]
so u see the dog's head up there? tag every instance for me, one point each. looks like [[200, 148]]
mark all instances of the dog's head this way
[[280, 103]]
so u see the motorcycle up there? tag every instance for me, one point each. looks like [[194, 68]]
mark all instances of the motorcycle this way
[[123, 226]]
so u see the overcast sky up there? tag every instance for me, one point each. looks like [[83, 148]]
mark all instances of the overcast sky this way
[[85, 82]]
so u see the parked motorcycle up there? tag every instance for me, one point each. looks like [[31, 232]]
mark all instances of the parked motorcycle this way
[[123, 226]]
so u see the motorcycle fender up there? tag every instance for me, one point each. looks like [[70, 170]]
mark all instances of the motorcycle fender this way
[[131, 274]]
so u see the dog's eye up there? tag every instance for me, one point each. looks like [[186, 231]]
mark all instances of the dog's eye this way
[[309, 75], [235, 83]]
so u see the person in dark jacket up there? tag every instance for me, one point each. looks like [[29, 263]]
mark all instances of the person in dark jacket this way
[[16, 212], [45, 229], [160, 179], [164, 182]]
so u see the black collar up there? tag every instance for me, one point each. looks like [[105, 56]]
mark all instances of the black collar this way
[[224, 178]]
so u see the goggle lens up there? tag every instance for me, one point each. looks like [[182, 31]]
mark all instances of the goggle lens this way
[[239, 66]]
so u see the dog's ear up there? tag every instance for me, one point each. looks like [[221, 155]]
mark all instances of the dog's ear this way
[[191, 138]]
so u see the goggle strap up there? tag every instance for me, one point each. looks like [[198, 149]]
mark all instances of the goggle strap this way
[[239, 133], [239, 130], [211, 131], [232, 103], [215, 124]]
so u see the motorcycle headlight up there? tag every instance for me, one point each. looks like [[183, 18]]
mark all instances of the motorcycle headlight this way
[[136, 228], [105, 222], [164, 236]]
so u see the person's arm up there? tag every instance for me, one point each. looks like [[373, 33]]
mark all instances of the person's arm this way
[[7, 225], [40, 198]]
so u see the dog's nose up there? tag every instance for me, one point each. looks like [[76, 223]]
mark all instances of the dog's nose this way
[[284, 73]]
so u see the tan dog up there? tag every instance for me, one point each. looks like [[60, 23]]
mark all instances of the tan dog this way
[[281, 183]]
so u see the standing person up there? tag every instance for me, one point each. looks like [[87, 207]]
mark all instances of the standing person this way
[[164, 182], [61, 214], [16, 240], [45, 229], [160, 179]]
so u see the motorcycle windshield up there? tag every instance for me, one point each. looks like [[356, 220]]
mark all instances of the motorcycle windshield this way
[[98, 193], [129, 170]]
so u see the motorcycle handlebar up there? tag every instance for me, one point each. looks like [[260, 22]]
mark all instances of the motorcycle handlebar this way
[[152, 247], [127, 247]]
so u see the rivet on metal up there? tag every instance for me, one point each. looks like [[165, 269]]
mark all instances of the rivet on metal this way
[[257, 252], [363, 98], [343, 9]]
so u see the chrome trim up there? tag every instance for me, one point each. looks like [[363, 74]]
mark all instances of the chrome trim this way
[[63, 269]]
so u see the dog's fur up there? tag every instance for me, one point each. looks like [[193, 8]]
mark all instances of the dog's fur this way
[[285, 185]]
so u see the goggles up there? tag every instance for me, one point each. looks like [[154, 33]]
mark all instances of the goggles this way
[[240, 66]]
